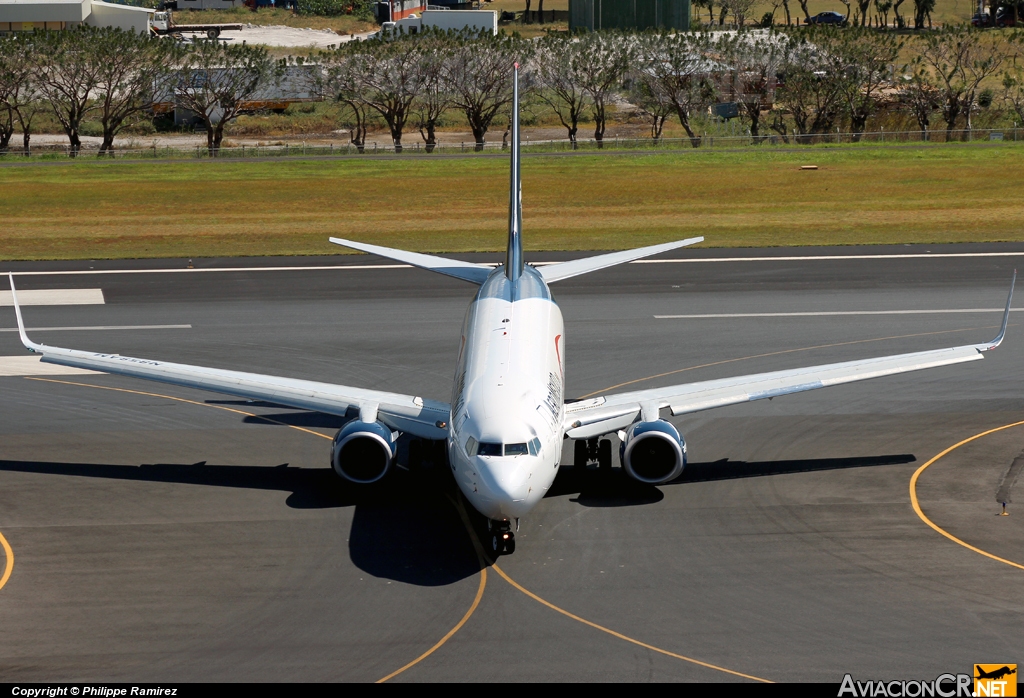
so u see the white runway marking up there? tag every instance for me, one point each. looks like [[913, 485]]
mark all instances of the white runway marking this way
[[32, 366], [362, 267], [818, 258], [55, 296], [832, 313], [99, 327]]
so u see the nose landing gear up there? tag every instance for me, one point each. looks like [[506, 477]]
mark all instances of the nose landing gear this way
[[503, 538]]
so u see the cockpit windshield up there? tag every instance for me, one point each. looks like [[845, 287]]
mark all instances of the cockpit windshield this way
[[488, 449], [483, 448]]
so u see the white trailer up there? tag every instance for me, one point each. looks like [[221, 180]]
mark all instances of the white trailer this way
[[480, 20]]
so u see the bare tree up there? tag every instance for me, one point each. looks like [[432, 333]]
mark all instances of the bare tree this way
[[217, 82], [130, 65], [739, 9], [710, 5], [956, 60], [813, 89], [559, 67], [434, 97], [344, 81], [601, 77], [897, 17], [883, 7], [919, 96], [479, 76], [388, 79], [807, 13], [866, 59], [848, 4], [1013, 91], [754, 62], [676, 69], [863, 6], [923, 11], [20, 99], [775, 5], [650, 104], [68, 77]]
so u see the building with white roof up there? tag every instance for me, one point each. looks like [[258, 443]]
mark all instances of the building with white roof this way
[[27, 15]]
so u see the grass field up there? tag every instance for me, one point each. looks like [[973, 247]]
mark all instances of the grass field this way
[[288, 207]]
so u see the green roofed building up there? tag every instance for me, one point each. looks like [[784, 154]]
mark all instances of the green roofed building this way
[[629, 14]]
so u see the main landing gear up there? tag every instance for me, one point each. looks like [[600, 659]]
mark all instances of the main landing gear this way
[[502, 537], [585, 451]]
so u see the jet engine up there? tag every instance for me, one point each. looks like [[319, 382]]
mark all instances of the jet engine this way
[[363, 451], [653, 452]]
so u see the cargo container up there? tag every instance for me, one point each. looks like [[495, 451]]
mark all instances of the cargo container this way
[[479, 20]]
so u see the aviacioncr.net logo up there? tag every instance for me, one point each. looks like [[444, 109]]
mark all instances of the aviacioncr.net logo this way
[[944, 686], [995, 680]]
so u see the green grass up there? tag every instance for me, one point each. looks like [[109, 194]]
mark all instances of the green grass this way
[[90, 210]]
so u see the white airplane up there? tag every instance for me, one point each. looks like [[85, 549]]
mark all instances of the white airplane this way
[[504, 427]]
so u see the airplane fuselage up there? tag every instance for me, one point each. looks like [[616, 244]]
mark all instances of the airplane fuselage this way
[[505, 432]]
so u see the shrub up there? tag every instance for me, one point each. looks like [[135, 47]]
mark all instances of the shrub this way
[[361, 9]]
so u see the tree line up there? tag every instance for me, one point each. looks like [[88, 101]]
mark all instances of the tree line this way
[[795, 83]]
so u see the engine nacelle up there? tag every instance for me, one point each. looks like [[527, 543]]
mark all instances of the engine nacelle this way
[[363, 451], [653, 452]]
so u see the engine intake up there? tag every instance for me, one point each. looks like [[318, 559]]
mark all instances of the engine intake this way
[[363, 451], [653, 452]]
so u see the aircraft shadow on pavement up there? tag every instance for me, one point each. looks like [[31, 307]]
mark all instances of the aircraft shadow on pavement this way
[[615, 489], [404, 529]]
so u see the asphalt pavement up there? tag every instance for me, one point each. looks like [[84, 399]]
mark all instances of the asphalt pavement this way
[[188, 539]]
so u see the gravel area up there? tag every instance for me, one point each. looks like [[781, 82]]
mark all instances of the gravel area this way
[[292, 37]]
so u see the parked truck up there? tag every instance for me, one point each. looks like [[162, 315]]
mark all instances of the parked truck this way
[[479, 20], [163, 24]]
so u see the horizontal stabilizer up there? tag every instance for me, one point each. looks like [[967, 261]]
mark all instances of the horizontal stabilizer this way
[[467, 271], [565, 270]]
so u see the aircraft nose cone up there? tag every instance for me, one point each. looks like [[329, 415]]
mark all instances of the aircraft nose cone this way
[[510, 484]]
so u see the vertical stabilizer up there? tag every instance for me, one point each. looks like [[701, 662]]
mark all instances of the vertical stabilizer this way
[[514, 256]]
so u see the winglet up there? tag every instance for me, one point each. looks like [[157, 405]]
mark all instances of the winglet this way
[[1006, 319], [29, 344]]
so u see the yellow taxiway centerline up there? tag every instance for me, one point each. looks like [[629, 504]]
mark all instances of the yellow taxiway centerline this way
[[917, 506], [442, 641], [9, 554], [613, 633]]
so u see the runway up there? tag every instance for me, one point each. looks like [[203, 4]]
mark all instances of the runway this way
[[170, 535]]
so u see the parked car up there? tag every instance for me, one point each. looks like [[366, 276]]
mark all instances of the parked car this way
[[827, 18], [1006, 17]]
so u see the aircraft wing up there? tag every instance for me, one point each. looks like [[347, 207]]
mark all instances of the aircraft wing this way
[[603, 415], [415, 415]]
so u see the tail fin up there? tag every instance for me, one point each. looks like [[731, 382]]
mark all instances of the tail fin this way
[[514, 256]]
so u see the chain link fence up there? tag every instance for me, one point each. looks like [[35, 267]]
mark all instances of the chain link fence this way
[[701, 142]]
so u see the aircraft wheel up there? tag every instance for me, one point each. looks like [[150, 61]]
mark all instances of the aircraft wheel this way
[[580, 455], [510, 545], [604, 454], [496, 543]]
